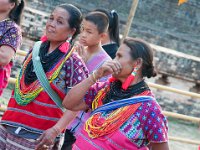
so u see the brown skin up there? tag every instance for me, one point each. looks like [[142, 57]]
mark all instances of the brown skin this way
[[124, 58], [106, 39], [90, 35], [91, 39], [120, 68], [57, 28], [6, 52], [57, 31], [5, 8]]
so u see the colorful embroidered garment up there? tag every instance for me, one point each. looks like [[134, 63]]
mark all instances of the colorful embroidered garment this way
[[24, 93], [144, 123], [42, 113], [10, 35]]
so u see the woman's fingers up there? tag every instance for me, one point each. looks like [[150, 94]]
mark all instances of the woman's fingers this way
[[79, 50], [109, 67], [45, 142], [114, 66], [118, 65], [41, 142]]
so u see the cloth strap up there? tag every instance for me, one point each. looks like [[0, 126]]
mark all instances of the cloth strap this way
[[122, 103], [39, 71]]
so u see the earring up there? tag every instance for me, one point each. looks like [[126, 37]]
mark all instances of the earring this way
[[69, 38], [43, 38], [66, 45], [130, 79]]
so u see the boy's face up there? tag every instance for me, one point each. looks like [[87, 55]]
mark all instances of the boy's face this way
[[89, 35]]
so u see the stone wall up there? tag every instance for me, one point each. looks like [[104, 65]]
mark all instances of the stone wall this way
[[179, 104], [180, 65], [160, 22]]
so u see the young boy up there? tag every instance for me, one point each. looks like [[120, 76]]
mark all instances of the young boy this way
[[94, 28]]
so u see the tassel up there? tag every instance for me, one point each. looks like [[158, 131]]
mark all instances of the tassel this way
[[112, 79], [43, 38], [64, 47], [130, 79]]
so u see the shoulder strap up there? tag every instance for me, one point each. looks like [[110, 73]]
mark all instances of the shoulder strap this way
[[39, 71], [122, 103]]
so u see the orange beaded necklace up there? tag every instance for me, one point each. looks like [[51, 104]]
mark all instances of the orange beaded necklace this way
[[100, 124]]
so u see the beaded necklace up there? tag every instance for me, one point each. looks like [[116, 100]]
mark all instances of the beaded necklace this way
[[23, 93], [99, 124]]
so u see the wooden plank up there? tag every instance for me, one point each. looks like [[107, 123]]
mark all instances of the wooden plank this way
[[130, 18]]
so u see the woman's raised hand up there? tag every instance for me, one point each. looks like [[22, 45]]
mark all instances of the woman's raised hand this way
[[109, 67]]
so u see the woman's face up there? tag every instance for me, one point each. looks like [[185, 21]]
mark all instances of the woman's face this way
[[57, 26], [123, 56], [5, 5]]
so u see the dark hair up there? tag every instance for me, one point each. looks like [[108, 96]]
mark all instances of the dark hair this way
[[113, 28], [140, 49], [99, 19], [16, 13], [75, 18]]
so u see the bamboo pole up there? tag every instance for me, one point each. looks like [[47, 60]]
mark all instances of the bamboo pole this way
[[170, 89], [182, 117], [130, 18], [193, 142], [3, 108], [12, 80], [21, 53]]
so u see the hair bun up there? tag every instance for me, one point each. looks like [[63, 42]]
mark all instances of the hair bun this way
[[150, 72]]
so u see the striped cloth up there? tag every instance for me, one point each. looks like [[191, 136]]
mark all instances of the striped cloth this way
[[11, 142]]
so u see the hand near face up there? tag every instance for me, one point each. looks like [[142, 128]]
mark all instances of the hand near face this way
[[109, 67]]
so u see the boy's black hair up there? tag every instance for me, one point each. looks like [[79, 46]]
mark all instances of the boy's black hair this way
[[99, 19]]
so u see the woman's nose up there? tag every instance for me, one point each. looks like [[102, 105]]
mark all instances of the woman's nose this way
[[52, 23]]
